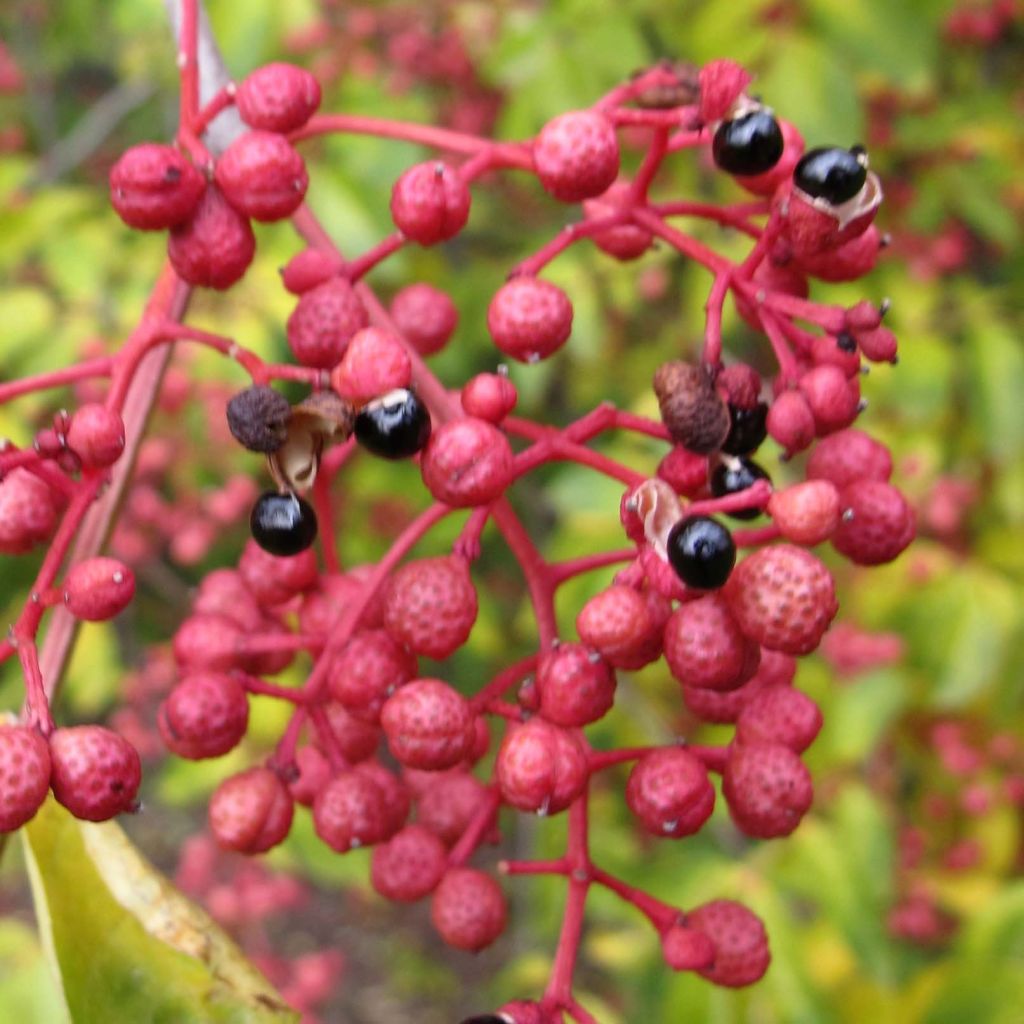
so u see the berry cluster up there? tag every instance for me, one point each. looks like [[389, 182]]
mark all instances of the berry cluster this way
[[381, 749]]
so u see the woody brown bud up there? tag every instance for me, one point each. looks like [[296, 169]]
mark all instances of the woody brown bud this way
[[680, 92], [258, 418], [691, 408]]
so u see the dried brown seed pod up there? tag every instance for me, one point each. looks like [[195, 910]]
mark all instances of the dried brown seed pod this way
[[320, 417], [258, 418], [691, 408]]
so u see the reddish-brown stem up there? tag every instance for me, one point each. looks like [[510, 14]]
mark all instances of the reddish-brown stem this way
[[478, 827], [362, 265], [254, 684], [661, 915], [324, 509], [649, 168], [688, 246], [755, 496], [503, 681], [223, 98], [712, 355], [789, 372], [756, 537], [559, 572], [568, 236], [99, 367]]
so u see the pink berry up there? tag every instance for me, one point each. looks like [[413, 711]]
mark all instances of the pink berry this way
[[806, 513], [725, 706], [278, 97], [575, 685], [262, 176], [790, 422], [28, 513], [767, 787], [427, 724], [846, 262], [308, 268], [223, 592], [369, 669], [622, 625], [686, 949], [153, 186], [529, 319], [24, 774], [375, 362], [95, 772], [98, 589], [833, 399], [623, 241], [449, 804], [669, 791], [540, 767], [350, 812], [878, 344], [274, 579], [430, 605], [705, 646], [847, 456], [489, 396], [355, 739], [876, 523], [467, 462], [577, 155], [251, 812], [468, 909], [323, 322], [208, 642], [740, 385], [430, 203], [214, 247], [205, 715], [409, 865], [425, 316], [779, 714], [96, 436], [740, 944], [394, 794], [686, 472]]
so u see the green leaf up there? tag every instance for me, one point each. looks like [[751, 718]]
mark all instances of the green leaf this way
[[125, 944]]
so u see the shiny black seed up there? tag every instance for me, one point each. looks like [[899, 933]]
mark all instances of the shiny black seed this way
[[749, 144], [846, 341], [734, 475], [832, 174], [258, 418], [486, 1018], [394, 426], [701, 551], [747, 429], [282, 524]]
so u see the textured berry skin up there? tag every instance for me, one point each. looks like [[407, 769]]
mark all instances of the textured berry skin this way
[[540, 767], [273, 579], [24, 775], [806, 513], [847, 456], [686, 472], [430, 605], [625, 241], [846, 262], [685, 949], [278, 97], [467, 462], [258, 418], [153, 187], [409, 865], [357, 740], [576, 686], [350, 812], [205, 715], [207, 642], [876, 524], [430, 203], [395, 795], [428, 724], [740, 385], [262, 176], [214, 247], [833, 399], [791, 422], [370, 668], [721, 706], [28, 515], [323, 322], [740, 943], [692, 410], [669, 791], [529, 319], [449, 803], [623, 625], [783, 598], [308, 268], [577, 155], [705, 647], [96, 436], [489, 396], [779, 714], [375, 362], [251, 812], [425, 316], [878, 344], [767, 788], [95, 773], [468, 909], [98, 589]]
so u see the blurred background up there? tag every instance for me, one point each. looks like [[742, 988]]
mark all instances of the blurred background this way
[[901, 897]]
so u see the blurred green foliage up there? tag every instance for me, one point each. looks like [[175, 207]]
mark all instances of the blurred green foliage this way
[[943, 121]]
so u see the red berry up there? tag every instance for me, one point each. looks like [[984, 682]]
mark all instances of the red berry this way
[[355, 739], [725, 706], [323, 322], [395, 795], [370, 668], [430, 203], [468, 909], [274, 579], [575, 685], [153, 186], [806, 513], [95, 772], [98, 589], [214, 247], [790, 422], [833, 399], [577, 155], [540, 767], [740, 944], [223, 592], [278, 97], [779, 714], [740, 385], [409, 865], [449, 804], [878, 344], [96, 436], [847, 456], [308, 268], [28, 513], [489, 396], [430, 605], [767, 787], [529, 319], [876, 523], [208, 642], [314, 774], [251, 812], [351, 812], [205, 715], [783, 598], [845, 262], [686, 472], [686, 949], [427, 724], [621, 623], [669, 791], [262, 176], [705, 646], [467, 462], [375, 362], [24, 774], [624, 241], [425, 316]]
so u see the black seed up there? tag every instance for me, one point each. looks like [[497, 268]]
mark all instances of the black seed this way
[[747, 429], [258, 418], [282, 524], [702, 552], [734, 475], [486, 1018], [833, 174], [394, 426], [846, 341], [749, 144]]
